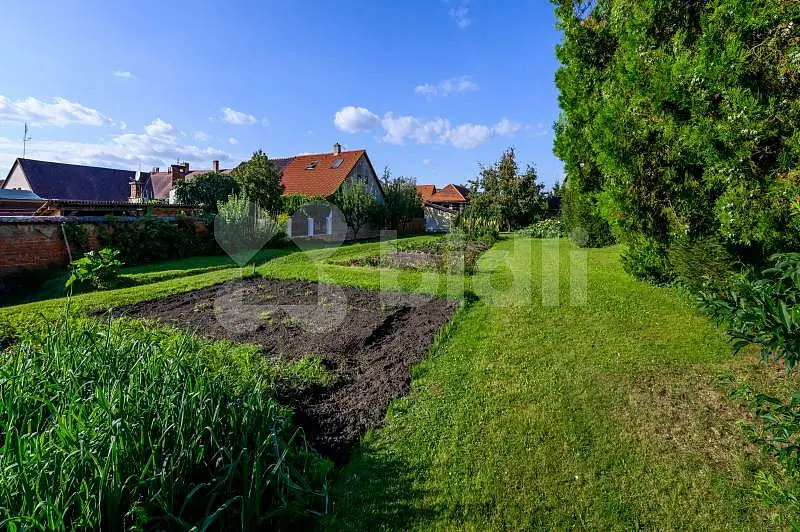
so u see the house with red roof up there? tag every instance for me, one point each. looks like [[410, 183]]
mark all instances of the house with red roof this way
[[316, 174], [441, 205], [453, 197]]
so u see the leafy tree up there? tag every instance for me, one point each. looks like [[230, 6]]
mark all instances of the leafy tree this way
[[679, 120], [357, 205], [402, 201], [260, 182], [502, 193], [581, 220], [206, 189]]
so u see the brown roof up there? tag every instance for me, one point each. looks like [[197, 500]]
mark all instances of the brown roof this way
[[448, 194], [301, 174]]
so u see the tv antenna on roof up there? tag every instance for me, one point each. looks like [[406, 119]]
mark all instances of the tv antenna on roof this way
[[25, 139]]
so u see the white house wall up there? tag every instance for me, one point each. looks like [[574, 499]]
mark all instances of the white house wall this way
[[17, 180], [362, 173]]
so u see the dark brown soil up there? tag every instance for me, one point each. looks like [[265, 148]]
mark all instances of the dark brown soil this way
[[367, 340]]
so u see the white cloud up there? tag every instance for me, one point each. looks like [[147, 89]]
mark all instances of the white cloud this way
[[233, 141], [460, 14], [506, 127], [201, 136], [124, 74], [426, 162], [539, 130], [159, 128], [401, 129], [467, 136], [237, 118], [157, 145], [60, 113], [123, 125], [354, 119], [448, 86]]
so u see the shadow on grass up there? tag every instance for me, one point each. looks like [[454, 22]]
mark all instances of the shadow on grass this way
[[376, 490]]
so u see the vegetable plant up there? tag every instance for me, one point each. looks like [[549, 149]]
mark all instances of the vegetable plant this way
[[96, 269]]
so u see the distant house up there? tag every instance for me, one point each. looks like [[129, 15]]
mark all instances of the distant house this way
[[453, 197], [322, 174], [70, 189], [163, 183], [441, 205], [318, 174], [61, 181], [44, 188]]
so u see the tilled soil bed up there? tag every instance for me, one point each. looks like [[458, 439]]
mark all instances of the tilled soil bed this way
[[368, 340]]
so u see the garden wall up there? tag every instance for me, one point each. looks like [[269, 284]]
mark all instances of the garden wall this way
[[38, 243]]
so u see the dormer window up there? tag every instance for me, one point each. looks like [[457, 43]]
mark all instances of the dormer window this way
[[312, 165]]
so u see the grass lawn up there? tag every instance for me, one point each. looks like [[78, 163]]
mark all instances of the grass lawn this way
[[598, 403], [613, 414]]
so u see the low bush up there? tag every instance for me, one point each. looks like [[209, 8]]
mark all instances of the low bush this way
[[476, 226], [647, 260], [762, 308], [153, 239], [550, 228], [777, 432], [123, 426], [242, 225], [95, 270], [701, 264]]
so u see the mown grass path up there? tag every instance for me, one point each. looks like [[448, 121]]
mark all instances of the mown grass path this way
[[541, 410]]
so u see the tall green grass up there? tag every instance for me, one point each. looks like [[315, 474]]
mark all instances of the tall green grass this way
[[114, 425]]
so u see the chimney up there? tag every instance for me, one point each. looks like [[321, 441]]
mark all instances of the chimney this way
[[178, 172], [155, 170], [186, 167], [337, 149], [215, 166], [136, 189]]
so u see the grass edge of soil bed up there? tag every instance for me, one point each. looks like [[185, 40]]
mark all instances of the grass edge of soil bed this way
[[368, 350]]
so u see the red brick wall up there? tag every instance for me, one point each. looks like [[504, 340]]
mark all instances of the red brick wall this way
[[36, 245]]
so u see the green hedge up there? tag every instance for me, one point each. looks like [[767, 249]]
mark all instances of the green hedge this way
[[152, 239]]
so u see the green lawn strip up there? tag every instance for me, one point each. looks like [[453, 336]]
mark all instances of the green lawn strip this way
[[607, 415], [280, 263]]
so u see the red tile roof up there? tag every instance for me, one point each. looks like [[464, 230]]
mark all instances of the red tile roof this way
[[323, 179], [297, 175], [449, 194], [426, 191]]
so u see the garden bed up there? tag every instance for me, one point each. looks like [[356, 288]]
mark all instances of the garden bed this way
[[451, 254], [367, 341]]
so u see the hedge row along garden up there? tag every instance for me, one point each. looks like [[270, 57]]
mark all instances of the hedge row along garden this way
[[679, 134]]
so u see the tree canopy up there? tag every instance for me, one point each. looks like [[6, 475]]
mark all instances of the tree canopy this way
[[260, 182], [680, 119], [357, 205], [502, 193], [402, 201], [206, 189]]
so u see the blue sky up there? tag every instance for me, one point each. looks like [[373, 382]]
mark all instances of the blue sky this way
[[430, 88]]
